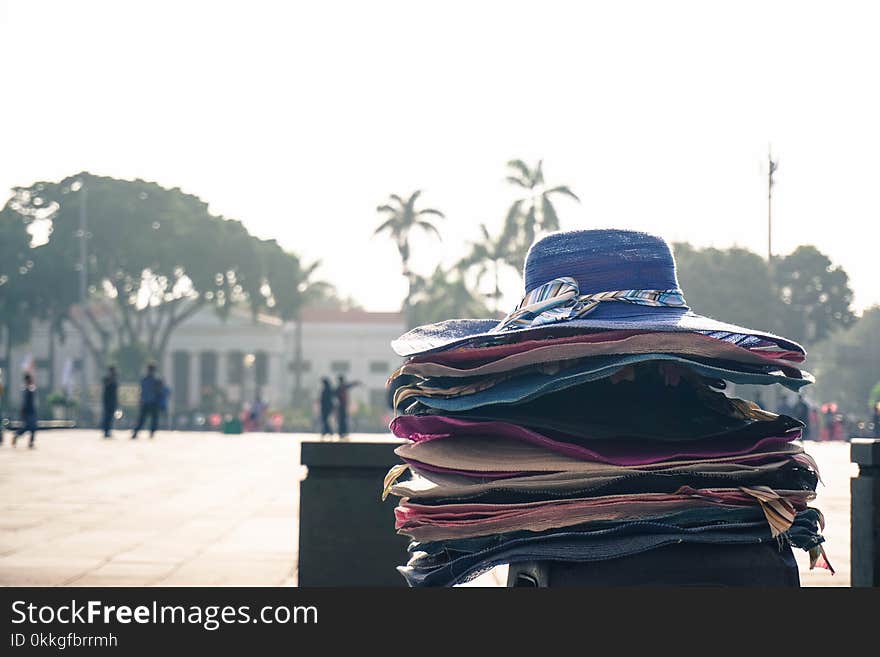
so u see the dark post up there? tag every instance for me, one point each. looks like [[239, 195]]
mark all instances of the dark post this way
[[865, 519], [346, 531]]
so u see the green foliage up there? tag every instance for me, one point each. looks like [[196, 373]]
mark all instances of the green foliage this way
[[532, 214], [816, 296], [16, 287], [130, 361], [400, 219], [156, 257], [799, 296], [443, 295], [60, 399], [846, 365], [486, 256], [732, 285]]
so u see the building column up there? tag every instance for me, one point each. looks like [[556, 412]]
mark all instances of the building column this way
[[195, 379]]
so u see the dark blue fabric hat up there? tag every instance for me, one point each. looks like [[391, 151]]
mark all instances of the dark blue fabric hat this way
[[636, 266]]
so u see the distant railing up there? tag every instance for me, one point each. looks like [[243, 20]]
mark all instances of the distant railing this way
[[42, 425]]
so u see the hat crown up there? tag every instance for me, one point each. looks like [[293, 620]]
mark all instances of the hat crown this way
[[602, 261]]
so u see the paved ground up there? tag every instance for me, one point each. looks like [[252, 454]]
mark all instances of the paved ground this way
[[186, 508], [207, 509]]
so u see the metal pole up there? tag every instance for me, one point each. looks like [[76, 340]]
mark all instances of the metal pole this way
[[83, 294]]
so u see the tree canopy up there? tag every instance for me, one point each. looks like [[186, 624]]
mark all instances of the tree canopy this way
[[531, 213], [16, 274], [400, 217], [444, 295], [156, 256], [847, 364], [800, 296]]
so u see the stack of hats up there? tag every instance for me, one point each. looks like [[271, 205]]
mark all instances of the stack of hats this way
[[594, 423]]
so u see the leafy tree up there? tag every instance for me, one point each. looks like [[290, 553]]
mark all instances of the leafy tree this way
[[532, 213], [846, 364], [16, 299], [732, 285], [289, 288], [800, 296], [400, 218], [486, 257], [815, 296], [156, 257], [443, 295]]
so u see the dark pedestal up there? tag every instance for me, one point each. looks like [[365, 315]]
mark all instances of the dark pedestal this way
[[865, 518], [346, 532], [762, 564]]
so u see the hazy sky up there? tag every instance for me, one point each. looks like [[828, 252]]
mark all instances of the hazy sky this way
[[299, 118]]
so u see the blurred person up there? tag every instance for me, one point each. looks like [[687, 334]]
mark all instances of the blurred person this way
[[800, 411], [328, 397], [838, 427], [828, 422], [152, 392], [28, 411], [109, 400], [342, 388], [877, 420], [256, 413]]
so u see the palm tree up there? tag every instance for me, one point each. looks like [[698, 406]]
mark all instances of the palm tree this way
[[486, 256], [400, 218], [532, 213]]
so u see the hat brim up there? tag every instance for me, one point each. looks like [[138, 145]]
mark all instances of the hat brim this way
[[454, 333], [537, 384]]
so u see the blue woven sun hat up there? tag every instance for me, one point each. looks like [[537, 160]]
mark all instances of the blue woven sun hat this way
[[589, 280]]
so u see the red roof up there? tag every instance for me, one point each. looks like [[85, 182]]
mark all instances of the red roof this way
[[333, 315]]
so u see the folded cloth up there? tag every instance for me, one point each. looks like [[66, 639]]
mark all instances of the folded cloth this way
[[619, 541], [651, 405], [696, 516], [621, 451], [514, 357], [485, 455], [440, 488], [511, 388], [464, 520]]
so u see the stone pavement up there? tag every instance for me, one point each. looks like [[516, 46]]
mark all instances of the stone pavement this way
[[185, 508], [208, 509], [833, 499]]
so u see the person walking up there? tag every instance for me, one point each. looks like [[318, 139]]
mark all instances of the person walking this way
[[151, 398], [327, 404], [342, 388], [28, 411], [255, 414], [109, 401], [802, 412]]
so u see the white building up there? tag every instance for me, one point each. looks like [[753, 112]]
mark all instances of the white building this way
[[239, 356], [354, 343]]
